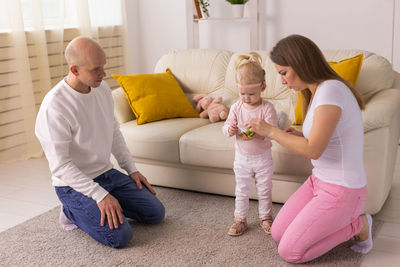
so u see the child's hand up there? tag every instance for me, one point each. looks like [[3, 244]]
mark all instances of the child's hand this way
[[245, 133], [247, 137], [232, 130]]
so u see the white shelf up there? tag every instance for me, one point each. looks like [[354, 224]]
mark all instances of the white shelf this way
[[228, 19], [193, 24]]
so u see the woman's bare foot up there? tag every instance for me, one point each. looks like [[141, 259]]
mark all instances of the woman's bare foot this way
[[364, 233]]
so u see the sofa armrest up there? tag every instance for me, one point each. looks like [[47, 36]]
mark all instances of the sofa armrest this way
[[122, 110], [381, 109]]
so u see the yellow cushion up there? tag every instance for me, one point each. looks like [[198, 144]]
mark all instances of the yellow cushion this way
[[348, 69], [155, 96]]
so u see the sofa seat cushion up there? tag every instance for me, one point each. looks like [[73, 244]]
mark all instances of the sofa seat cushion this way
[[158, 140], [287, 162], [208, 146]]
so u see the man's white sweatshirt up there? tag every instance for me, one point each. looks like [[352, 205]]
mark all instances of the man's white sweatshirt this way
[[78, 133]]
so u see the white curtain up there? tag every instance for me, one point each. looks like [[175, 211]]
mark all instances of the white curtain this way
[[33, 35]]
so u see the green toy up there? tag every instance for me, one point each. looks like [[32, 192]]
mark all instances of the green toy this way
[[248, 132], [245, 130]]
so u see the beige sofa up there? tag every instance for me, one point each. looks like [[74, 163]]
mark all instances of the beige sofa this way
[[193, 154]]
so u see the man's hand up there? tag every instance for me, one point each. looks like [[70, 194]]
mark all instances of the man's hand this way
[[110, 208], [140, 179]]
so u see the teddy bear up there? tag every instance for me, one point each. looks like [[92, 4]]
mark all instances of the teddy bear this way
[[210, 107]]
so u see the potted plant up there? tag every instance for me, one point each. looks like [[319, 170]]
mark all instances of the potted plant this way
[[237, 7], [204, 7], [237, 2]]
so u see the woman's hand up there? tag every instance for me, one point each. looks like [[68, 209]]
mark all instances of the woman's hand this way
[[293, 131], [260, 127]]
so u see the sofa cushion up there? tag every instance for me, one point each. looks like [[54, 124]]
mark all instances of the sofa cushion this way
[[376, 71], [158, 140], [208, 146], [287, 162], [197, 71], [122, 110], [155, 96], [348, 69], [283, 99]]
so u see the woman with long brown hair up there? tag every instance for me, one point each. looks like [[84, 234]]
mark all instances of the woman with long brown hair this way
[[327, 209]]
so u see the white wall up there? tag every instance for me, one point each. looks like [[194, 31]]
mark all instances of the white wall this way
[[158, 26], [155, 27]]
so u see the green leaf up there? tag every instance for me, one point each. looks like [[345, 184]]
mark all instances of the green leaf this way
[[237, 2]]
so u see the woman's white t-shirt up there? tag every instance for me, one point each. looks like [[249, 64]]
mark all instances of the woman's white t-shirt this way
[[342, 161]]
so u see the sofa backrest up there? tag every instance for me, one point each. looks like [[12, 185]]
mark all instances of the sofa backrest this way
[[198, 71], [283, 99], [212, 71], [376, 71]]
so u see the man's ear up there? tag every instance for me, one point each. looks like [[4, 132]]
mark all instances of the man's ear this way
[[74, 70]]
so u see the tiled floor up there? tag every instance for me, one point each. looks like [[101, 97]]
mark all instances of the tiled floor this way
[[26, 191]]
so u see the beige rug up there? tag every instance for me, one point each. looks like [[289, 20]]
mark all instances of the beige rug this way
[[193, 234]]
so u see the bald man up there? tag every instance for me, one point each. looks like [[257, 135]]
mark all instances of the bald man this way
[[78, 132]]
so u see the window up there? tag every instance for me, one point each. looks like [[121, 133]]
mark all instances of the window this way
[[58, 13]]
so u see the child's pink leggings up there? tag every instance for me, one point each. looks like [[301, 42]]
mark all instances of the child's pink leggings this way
[[316, 218]]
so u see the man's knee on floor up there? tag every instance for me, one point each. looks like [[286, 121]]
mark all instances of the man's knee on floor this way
[[156, 214], [121, 236]]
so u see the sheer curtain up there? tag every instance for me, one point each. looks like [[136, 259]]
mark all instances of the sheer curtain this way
[[33, 35]]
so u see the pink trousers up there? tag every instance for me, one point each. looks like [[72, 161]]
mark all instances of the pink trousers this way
[[316, 218]]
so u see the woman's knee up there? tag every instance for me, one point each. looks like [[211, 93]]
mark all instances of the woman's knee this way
[[276, 231], [287, 252], [276, 235]]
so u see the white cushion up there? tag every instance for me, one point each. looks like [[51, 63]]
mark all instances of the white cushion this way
[[208, 146], [158, 140], [122, 110], [197, 71], [283, 99]]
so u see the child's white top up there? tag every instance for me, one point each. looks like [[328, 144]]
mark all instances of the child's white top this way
[[239, 115], [342, 161], [78, 133]]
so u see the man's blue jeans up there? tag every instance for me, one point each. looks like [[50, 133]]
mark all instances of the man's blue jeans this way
[[140, 205]]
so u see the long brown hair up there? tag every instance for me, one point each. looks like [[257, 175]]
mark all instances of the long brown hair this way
[[307, 60]]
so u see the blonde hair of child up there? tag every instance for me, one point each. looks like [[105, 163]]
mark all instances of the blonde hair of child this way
[[249, 69]]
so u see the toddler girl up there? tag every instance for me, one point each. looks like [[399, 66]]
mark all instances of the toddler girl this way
[[253, 158]]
